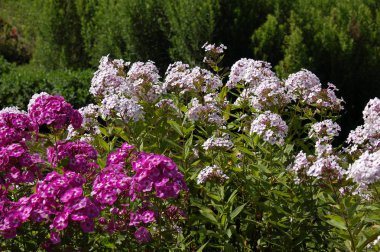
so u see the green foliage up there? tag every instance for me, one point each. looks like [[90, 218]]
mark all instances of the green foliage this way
[[267, 39], [60, 43], [5, 66], [191, 24], [19, 83], [12, 45], [124, 29], [295, 53]]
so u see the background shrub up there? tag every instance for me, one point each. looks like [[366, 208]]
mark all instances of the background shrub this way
[[18, 83]]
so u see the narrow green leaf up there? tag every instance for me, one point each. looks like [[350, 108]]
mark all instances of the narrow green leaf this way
[[176, 127], [202, 247], [209, 214], [237, 211], [188, 146], [336, 221]]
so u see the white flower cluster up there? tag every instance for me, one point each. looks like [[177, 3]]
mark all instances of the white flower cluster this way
[[214, 49], [121, 92], [306, 86], [211, 173], [90, 114], [366, 169], [174, 78], [323, 148], [300, 162], [181, 79], [269, 93], [121, 106], [109, 78], [371, 112], [209, 112], [367, 136], [245, 97], [221, 143], [326, 98], [320, 166], [326, 166], [270, 127], [249, 72], [325, 130], [303, 85], [143, 81]]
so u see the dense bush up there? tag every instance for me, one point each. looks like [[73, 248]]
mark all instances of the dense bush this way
[[5, 66], [12, 45], [17, 83], [241, 163]]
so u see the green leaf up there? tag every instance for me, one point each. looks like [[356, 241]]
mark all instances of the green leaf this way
[[188, 146], [336, 221], [176, 127], [202, 247], [232, 197], [172, 143], [237, 211], [103, 144], [245, 150], [229, 233], [281, 193], [104, 131], [214, 196], [209, 214], [229, 248], [375, 232]]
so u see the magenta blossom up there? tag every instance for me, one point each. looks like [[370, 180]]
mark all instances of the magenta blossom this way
[[142, 235], [45, 109], [159, 173], [80, 156]]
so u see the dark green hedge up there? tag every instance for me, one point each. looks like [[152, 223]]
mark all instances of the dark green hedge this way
[[18, 84]]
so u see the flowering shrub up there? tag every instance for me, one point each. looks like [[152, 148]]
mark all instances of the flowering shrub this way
[[196, 160]]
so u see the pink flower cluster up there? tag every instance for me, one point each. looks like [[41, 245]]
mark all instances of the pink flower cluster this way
[[70, 189], [132, 176], [151, 173], [75, 156], [156, 173], [17, 164], [15, 126], [58, 200], [45, 109]]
